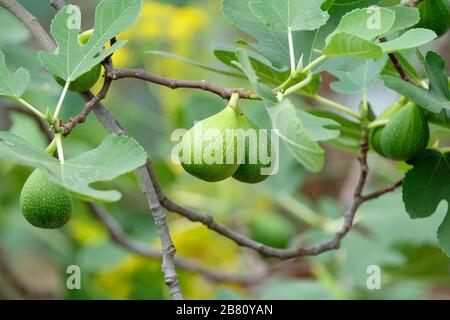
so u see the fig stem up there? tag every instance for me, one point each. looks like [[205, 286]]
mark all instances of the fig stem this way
[[61, 100], [291, 50], [298, 86], [336, 106], [31, 108], [59, 146], [377, 123], [233, 100], [313, 64], [51, 147]]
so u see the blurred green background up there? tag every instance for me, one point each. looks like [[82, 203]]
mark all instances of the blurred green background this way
[[293, 207]]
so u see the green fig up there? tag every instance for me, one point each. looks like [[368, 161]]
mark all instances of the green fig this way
[[87, 80], [43, 203], [434, 15], [207, 151], [406, 134], [250, 169], [271, 229], [375, 133]]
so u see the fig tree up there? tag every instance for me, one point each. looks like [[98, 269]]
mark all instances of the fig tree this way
[[43, 203]]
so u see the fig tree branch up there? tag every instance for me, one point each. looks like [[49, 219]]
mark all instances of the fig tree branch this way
[[397, 65], [47, 43], [141, 74], [332, 244], [379, 193], [90, 105]]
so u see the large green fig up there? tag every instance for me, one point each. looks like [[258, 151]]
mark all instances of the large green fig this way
[[375, 134], [87, 80], [207, 151], [43, 203], [406, 134], [250, 169], [434, 15]]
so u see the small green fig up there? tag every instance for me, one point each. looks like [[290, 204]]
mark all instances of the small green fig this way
[[271, 229], [207, 151], [255, 150], [375, 134], [87, 80], [434, 15], [406, 134], [43, 203]]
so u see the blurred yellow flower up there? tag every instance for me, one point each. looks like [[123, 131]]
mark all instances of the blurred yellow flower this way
[[163, 23], [85, 231]]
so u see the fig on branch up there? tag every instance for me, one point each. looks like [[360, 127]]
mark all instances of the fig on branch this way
[[43, 203], [375, 134], [87, 80], [208, 149], [434, 15], [406, 134], [257, 147]]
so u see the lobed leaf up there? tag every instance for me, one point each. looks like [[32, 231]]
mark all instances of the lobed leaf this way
[[281, 15], [412, 38], [71, 59], [115, 156], [345, 44], [366, 23], [12, 84], [425, 186]]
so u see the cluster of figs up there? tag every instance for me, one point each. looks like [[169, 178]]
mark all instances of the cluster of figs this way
[[247, 160]]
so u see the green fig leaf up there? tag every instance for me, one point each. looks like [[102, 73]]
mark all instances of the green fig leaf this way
[[360, 79], [365, 23], [12, 84], [412, 38], [345, 44], [115, 156], [319, 128], [271, 44], [281, 15], [425, 186], [405, 17], [437, 97], [71, 59], [293, 133], [262, 67]]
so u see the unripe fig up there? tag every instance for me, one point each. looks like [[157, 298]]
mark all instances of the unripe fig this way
[[43, 203], [87, 80], [272, 230], [406, 134], [375, 134], [256, 150], [207, 151], [434, 15]]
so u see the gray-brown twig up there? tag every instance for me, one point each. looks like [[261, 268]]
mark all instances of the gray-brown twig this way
[[47, 43], [119, 237], [225, 93]]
